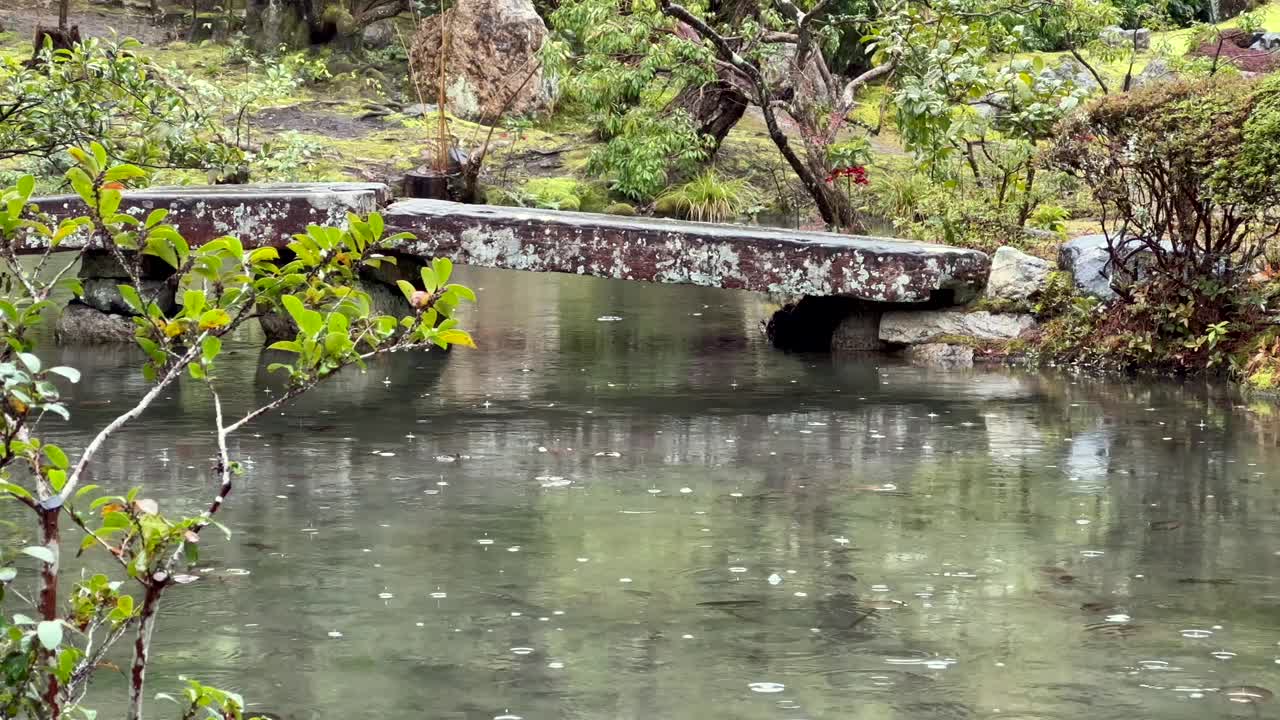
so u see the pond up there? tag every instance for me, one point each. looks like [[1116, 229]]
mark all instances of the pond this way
[[627, 505]]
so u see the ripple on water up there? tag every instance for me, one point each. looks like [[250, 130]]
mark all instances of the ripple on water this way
[[1196, 633], [1247, 694], [766, 687]]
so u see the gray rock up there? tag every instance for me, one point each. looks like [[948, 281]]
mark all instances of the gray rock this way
[[491, 59], [378, 34], [941, 355], [1118, 37], [80, 324], [1088, 261], [857, 332], [916, 327], [1016, 275], [419, 109], [1074, 72], [101, 264], [104, 294], [1157, 70], [277, 327], [1268, 41]]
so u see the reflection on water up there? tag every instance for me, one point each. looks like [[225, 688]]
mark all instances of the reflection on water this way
[[660, 517]]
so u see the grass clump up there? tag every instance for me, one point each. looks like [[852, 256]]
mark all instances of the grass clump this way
[[709, 197]]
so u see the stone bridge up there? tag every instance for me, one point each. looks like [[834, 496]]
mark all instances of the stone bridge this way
[[833, 277]]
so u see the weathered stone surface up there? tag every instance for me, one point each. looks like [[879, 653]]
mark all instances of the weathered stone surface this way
[[257, 214], [919, 327], [941, 355], [1157, 70], [101, 276], [1088, 261], [80, 324], [1016, 275], [858, 332], [104, 294], [491, 67], [378, 34], [786, 262], [419, 109], [1118, 37], [1269, 41], [1077, 74]]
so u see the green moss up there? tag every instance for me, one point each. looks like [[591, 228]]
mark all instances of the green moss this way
[[1265, 379], [1002, 305], [1058, 295], [621, 209], [667, 206], [565, 193]]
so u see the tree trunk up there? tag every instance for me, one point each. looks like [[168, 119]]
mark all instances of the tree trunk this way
[[63, 7], [48, 599], [142, 646], [830, 207], [716, 108]]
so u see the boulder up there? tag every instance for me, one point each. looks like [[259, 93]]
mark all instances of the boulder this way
[[1157, 70], [1268, 41], [79, 324], [378, 34], [103, 294], [941, 355], [1071, 71], [1088, 261], [1016, 275], [1117, 37], [101, 275], [491, 67], [917, 327]]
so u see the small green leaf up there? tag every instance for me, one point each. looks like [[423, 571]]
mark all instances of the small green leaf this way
[[210, 347], [17, 490], [443, 268], [69, 373], [131, 297], [193, 302], [42, 554], [50, 634], [309, 321], [56, 456], [31, 362]]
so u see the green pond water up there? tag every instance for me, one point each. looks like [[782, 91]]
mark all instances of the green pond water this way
[[626, 505]]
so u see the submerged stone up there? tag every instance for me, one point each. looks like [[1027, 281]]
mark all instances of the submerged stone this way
[[941, 355], [919, 327], [79, 324]]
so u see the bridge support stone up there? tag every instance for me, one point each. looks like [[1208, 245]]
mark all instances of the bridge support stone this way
[[101, 314], [380, 284]]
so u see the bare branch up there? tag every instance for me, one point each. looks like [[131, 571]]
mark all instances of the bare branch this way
[[172, 374]]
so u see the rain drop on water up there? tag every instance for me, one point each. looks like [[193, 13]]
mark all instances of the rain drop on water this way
[[766, 687]]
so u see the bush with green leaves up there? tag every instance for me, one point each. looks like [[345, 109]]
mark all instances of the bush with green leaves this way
[[106, 91], [1187, 175], [55, 637], [626, 70]]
